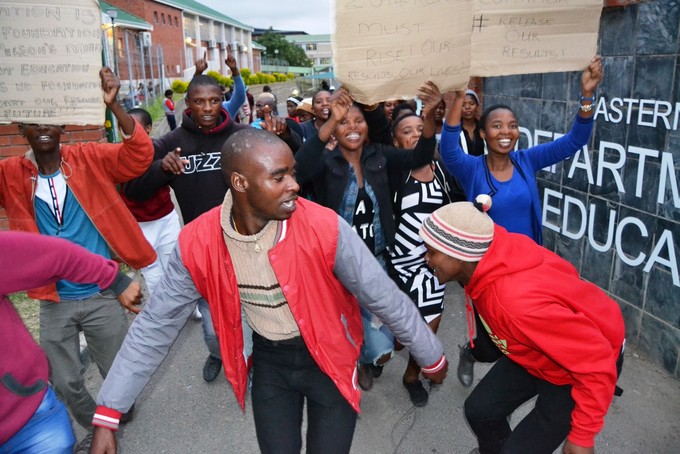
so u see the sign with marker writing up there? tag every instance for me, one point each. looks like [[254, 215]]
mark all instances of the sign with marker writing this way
[[533, 36], [50, 57], [388, 48]]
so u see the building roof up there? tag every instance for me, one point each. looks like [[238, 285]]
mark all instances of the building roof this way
[[125, 19], [262, 31], [200, 9], [297, 39], [259, 46]]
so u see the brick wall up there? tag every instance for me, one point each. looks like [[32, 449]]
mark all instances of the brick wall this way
[[12, 144], [168, 35]]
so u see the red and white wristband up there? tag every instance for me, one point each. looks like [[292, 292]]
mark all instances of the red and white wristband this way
[[436, 367], [106, 417]]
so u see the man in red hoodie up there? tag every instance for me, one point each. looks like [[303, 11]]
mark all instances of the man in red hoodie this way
[[562, 338]]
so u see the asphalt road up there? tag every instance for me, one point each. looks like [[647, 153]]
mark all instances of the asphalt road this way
[[178, 412]]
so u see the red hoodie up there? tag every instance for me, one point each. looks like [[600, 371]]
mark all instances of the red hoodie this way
[[546, 319]]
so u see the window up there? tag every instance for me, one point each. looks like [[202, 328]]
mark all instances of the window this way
[[163, 18], [155, 16], [311, 46], [176, 22]]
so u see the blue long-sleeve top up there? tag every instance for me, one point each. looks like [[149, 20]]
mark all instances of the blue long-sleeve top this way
[[516, 204], [237, 99]]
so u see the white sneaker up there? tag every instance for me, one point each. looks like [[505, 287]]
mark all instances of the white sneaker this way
[[196, 315]]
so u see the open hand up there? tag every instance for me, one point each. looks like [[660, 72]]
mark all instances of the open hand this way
[[430, 95], [340, 101]]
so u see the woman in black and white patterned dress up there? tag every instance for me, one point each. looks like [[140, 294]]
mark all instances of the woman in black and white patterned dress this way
[[417, 194]]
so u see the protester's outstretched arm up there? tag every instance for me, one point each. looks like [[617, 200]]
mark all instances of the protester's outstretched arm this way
[[147, 343], [361, 274], [110, 87], [239, 96], [24, 255]]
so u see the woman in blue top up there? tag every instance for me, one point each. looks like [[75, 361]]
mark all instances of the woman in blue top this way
[[509, 177]]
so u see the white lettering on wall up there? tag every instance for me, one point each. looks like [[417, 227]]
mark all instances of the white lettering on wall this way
[[651, 113]]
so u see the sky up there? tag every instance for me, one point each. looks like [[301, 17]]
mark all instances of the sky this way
[[311, 16]]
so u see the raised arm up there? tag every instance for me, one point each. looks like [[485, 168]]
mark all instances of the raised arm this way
[[239, 97], [550, 153], [308, 157], [459, 164], [590, 79], [110, 87]]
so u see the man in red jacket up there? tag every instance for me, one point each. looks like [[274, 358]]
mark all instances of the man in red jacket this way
[[562, 338], [297, 270]]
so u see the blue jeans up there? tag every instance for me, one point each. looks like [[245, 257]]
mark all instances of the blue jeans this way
[[48, 431], [378, 341], [210, 337], [284, 376]]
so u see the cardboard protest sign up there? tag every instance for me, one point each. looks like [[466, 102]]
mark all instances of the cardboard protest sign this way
[[50, 57], [521, 37], [388, 48]]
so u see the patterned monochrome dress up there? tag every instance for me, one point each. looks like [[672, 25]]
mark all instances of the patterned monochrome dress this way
[[419, 199]]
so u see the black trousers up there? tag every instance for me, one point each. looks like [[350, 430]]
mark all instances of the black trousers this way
[[284, 376], [504, 388]]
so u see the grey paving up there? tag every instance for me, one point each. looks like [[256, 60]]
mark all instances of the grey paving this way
[[179, 412]]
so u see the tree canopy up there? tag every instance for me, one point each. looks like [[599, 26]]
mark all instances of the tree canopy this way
[[294, 55]]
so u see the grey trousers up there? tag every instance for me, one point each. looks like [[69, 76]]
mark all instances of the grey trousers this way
[[103, 321]]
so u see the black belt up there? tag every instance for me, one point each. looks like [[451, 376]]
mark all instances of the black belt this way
[[293, 341]]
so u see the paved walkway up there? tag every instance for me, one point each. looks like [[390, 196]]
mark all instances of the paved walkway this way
[[180, 413]]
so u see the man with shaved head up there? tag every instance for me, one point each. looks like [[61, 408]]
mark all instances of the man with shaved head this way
[[266, 117], [297, 271]]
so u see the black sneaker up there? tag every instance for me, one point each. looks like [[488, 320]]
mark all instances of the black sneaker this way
[[212, 368], [377, 370], [365, 377], [417, 393]]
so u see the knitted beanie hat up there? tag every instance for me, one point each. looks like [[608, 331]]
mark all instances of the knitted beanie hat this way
[[461, 230]]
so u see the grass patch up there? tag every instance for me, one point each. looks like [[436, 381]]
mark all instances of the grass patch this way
[[29, 310], [156, 109]]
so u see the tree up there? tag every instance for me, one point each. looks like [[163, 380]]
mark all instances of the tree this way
[[291, 53]]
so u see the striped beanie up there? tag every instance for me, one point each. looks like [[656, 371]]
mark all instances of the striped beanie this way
[[461, 230]]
